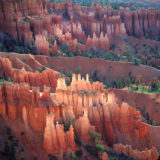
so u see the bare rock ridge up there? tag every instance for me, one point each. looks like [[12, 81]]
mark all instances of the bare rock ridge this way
[[47, 77], [107, 71]]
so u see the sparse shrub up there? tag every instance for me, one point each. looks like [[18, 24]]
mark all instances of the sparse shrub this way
[[137, 61], [100, 148], [95, 76], [68, 123], [28, 70], [97, 144], [86, 54], [78, 141], [70, 74], [95, 134], [2, 80], [79, 153], [42, 69], [10, 80], [108, 56], [128, 82], [137, 82], [144, 44], [154, 85], [153, 123], [73, 156], [1, 46], [78, 70], [129, 56], [70, 54]]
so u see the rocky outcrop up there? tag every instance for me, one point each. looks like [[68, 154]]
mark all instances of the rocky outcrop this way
[[79, 83], [42, 45], [83, 126], [46, 78], [38, 23], [54, 49], [55, 139], [142, 22], [102, 42], [18, 101], [149, 108], [87, 106], [141, 155], [109, 117]]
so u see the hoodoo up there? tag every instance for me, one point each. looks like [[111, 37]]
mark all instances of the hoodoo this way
[[79, 80]]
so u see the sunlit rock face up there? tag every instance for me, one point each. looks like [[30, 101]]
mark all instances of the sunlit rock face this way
[[55, 139], [141, 155], [142, 22], [109, 117], [42, 46], [88, 106], [39, 23], [47, 77]]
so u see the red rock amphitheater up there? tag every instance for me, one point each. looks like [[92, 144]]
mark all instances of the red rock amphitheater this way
[[51, 119], [41, 115], [37, 22]]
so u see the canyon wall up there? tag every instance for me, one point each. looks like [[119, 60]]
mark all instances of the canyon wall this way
[[115, 119], [106, 71], [46, 78], [144, 155], [40, 23], [87, 105], [149, 108]]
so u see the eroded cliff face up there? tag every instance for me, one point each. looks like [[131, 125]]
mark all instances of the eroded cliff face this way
[[142, 22], [88, 106], [111, 119], [55, 139], [143, 155], [18, 101], [39, 23], [46, 78]]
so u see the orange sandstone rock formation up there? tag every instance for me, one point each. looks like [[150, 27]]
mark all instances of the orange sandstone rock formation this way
[[141, 155], [108, 117], [79, 83], [55, 139], [83, 126], [42, 45], [55, 50], [36, 79]]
